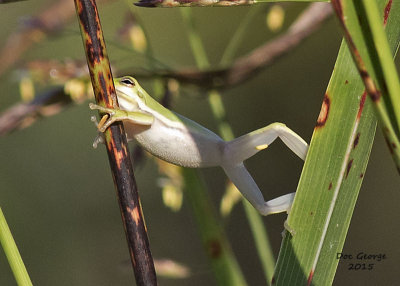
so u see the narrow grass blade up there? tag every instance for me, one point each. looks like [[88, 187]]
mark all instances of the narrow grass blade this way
[[363, 30], [12, 253], [259, 232], [224, 264], [331, 178], [229, 270], [374, 31], [330, 181]]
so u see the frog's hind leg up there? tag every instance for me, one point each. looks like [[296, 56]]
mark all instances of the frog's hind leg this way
[[242, 148], [241, 178]]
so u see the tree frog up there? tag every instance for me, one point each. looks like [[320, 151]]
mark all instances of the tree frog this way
[[181, 141]]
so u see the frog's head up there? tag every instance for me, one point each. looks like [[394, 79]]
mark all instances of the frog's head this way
[[131, 95]]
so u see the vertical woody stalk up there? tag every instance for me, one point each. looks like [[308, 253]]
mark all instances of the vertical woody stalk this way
[[116, 144]]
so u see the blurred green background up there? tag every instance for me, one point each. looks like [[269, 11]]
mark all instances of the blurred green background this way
[[57, 193]]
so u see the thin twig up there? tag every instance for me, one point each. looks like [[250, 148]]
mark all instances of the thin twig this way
[[24, 114], [35, 29], [262, 57], [116, 144], [246, 66]]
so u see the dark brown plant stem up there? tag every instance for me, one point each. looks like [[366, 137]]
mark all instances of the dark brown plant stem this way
[[117, 149]]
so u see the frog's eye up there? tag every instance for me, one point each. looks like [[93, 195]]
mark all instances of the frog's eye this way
[[128, 82]]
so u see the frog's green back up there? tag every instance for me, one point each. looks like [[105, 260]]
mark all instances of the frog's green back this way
[[156, 106], [190, 124]]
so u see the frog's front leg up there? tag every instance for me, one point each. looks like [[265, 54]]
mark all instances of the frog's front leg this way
[[116, 114]]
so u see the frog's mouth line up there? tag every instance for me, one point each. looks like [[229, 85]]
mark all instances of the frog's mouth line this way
[[125, 100]]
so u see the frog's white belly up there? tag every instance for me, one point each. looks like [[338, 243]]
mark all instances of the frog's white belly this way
[[179, 143]]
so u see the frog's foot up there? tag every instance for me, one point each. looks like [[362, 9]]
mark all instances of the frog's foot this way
[[98, 140], [113, 116], [100, 136], [288, 228], [116, 114]]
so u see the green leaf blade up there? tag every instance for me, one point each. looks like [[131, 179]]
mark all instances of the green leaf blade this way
[[377, 71], [331, 178], [12, 253], [331, 175]]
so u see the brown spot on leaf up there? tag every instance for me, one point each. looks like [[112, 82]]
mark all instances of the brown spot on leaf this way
[[346, 82], [324, 113], [386, 12], [214, 248], [361, 106], [349, 167], [390, 145], [310, 277], [355, 143], [330, 186], [361, 175], [311, 213]]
